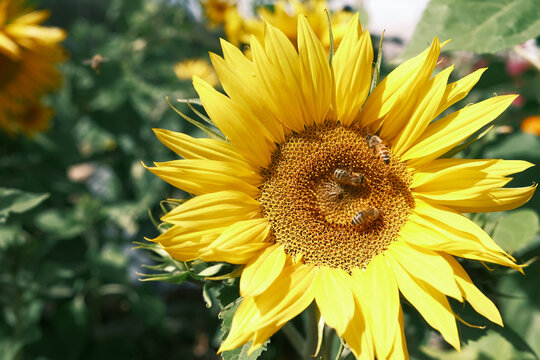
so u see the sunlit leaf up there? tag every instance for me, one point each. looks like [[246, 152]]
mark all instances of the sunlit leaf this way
[[63, 224], [516, 229], [477, 25], [18, 201], [516, 146], [520, 305]]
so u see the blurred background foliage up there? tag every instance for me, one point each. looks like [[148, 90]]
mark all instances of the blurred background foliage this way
[[73, 201]]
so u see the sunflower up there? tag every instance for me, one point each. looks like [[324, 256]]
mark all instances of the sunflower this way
[[27, 118], [286, 12], [283, 16], [327, 195], [216, 10], [29, 52]]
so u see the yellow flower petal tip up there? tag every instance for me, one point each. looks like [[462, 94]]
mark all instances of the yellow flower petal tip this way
[[339, 215]]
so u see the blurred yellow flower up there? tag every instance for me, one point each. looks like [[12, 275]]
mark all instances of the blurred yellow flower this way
[[215, 10], [283, 16], [319, 209], [27, 118], [28, 51], [185, 70], [29, 54]]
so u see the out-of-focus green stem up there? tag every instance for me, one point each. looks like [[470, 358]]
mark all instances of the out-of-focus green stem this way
[[295, 338], [310, 345], [340, 351]]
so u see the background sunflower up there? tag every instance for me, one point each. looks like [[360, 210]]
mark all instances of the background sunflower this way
[[29, 54]]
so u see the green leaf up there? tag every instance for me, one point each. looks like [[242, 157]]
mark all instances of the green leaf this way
[[211, 270], [516, 340], [491, 346], [9, 348], [477, 25], [18, 201], [225, 292], [516, 229], [92, 138], [520, 308], [63, 224], [516, 146], [240, 353]]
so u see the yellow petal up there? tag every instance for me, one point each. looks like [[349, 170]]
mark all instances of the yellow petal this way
[[40, 34], [352, 68], [412, 93], [262, 270], [206, 176], [391, 88], [399, 351], [284, 299], [458, 229], [184, 244], [423, 113], [239, 79], [8, 47], [380, 287], [431, 304], [315, 73], [33, 18], [357, 335], [240, 333], [478, 301], [261, 336], [498, 199], [433, 235], [239, 243], [334, 297], [459, 89], [243, 130], [454, 174], [214, 210], [426, 265], [278, 66], [193, 148], [444, 134]]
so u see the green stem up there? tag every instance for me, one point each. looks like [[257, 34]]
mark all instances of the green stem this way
[[295, 338], [310, 345], [340, 351], [329, 339]]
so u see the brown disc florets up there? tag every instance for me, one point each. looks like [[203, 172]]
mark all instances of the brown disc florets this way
[[333, 200]]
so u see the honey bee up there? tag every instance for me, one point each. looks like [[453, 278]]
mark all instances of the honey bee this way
[[375, 142], [95, 62], [366, 216], [348, 178], [334, 191]]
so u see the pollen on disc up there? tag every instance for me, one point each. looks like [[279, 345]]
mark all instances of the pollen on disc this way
[[310, 210]]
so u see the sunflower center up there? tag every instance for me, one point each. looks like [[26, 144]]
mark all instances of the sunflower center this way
[[335, 197]]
